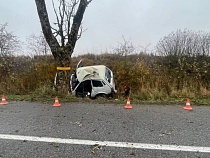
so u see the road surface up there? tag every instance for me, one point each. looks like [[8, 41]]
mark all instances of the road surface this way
[[36, 130]]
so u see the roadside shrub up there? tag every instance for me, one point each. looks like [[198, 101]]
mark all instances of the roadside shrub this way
[[149, 77]]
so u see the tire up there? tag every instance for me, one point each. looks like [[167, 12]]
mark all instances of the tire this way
[[102, 95]]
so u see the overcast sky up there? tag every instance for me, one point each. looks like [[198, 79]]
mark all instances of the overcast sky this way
[[143, 22]]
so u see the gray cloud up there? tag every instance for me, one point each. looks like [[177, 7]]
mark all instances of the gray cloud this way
[[141, 21]]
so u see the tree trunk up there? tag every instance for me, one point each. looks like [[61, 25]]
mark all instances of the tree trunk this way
[[62, 53], [63, 77]]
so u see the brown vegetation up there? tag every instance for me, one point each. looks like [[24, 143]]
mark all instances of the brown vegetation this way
[[149, 77]]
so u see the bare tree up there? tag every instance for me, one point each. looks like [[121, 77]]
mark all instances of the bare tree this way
[[38, 45], [184, 43], [62, 39], [125, 48], [9, 43]]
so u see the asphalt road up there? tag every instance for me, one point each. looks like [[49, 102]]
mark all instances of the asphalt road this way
[[147, 124]]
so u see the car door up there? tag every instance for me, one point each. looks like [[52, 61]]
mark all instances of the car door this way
[[99, 87]]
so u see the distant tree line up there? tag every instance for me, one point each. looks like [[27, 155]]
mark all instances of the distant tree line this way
[[184, 43]]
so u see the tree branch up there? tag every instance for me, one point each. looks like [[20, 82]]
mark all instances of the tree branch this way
[[73, 36], [46, 28]]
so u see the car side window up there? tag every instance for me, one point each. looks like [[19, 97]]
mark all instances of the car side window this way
[[108, 74], [97, 83]]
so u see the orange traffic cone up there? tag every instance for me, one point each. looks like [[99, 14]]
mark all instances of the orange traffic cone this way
[[187, 106], [4, 101], [56, 102], [128, 104]]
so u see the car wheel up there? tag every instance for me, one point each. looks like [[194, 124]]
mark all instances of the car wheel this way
[[102, 95]]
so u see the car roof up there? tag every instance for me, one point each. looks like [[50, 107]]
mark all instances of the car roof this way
[[96, 71]]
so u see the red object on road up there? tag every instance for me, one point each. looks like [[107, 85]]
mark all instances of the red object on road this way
[[4, 101], [56, 102], [128, 104], [187, 106]]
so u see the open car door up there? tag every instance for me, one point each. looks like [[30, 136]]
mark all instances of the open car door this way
[[80, 64]]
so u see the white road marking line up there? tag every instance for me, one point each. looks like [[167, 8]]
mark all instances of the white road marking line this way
[[108, 143]]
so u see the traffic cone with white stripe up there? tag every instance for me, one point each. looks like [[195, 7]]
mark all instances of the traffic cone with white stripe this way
[[128, 104], [4, 101], [187, 106], [56, 102]]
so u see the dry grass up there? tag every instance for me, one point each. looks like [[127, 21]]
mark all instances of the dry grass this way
[[149, 78]]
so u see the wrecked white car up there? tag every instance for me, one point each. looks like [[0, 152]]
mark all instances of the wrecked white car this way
[[92, 81]]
